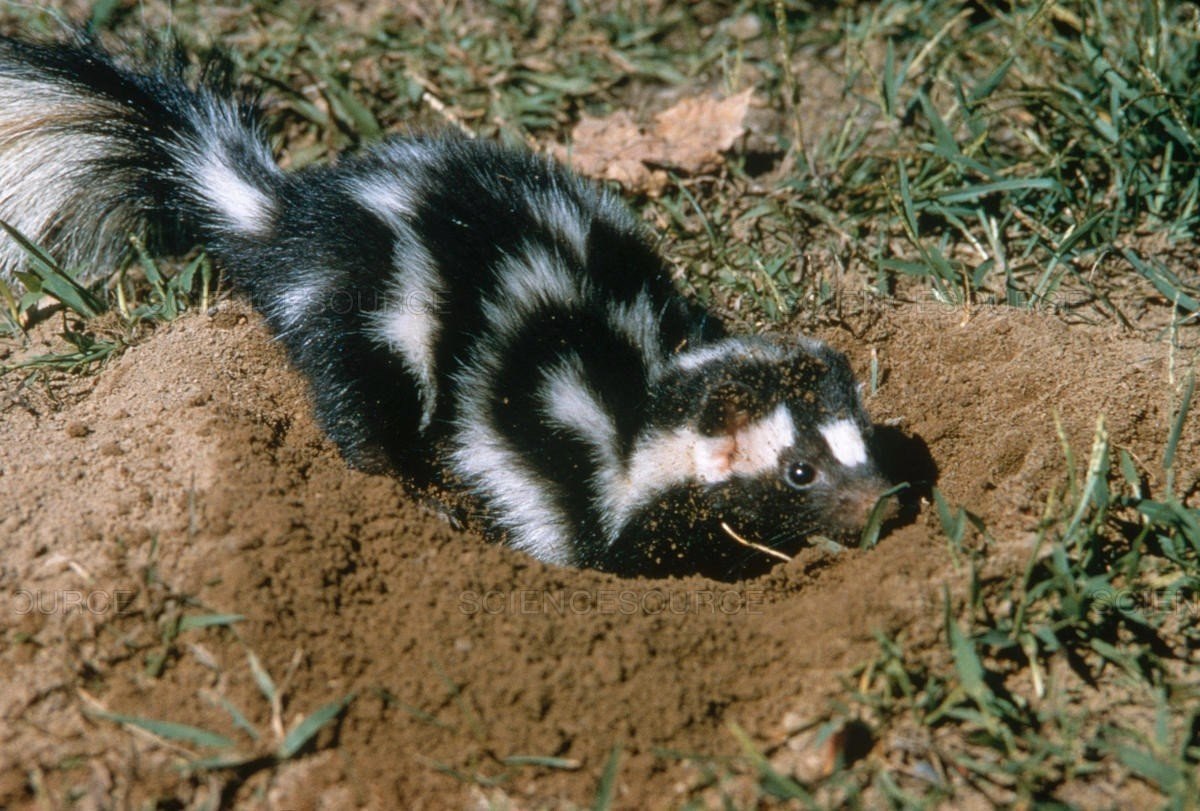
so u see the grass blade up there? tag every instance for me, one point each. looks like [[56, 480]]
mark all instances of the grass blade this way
[[182, 733], [54, 280], [310, 726], [608, 781], [1185, 404], [195, 621], [567, 764], [261, 677]]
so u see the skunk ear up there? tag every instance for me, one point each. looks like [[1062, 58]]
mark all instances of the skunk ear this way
[[726, 409]]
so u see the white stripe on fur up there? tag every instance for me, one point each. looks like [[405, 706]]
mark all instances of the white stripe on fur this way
[[561, 215], [530, 279], [47, 188], [569, 402], [518, 495], [845, 442], [409, 322], [661, 461], [243, 207]]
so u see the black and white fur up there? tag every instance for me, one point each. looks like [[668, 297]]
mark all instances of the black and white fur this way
[[464, 313]]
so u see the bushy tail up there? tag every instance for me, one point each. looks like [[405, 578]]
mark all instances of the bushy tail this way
[[92, 152]]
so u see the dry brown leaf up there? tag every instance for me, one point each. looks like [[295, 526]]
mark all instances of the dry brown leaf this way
[[614, 148], [689, 137], [697, 130]]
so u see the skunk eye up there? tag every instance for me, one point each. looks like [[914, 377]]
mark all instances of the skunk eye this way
[[800, 474]]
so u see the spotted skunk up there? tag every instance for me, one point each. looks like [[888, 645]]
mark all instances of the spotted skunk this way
[[463, 312]]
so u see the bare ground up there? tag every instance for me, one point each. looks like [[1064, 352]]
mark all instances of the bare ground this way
[[189, 478]]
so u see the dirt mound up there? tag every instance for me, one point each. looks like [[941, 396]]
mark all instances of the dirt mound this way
[[189, 479]]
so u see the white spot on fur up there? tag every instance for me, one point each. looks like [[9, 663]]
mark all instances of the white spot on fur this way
[[530, 279], [638, 322], [408, 322], [534, 277], [212, 175], [518, 495], [559, 214], [296, 302], [740, 347], [663, 460], [391, 198], [845, 442], [695, 358], [571, 404], [243, 206]]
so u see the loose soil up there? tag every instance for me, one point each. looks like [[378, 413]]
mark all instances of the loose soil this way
[[188, 478]]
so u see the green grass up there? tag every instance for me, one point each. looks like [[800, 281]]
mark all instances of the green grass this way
[[100, 318], [249, 748], [1035, 155], [1107, 591], [1038, 137], [202, 750], [1023, 155]]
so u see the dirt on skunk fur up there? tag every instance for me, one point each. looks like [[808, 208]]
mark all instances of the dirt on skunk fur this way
[[188, 479]]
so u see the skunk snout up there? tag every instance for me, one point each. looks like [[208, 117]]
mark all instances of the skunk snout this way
[[853, 504]]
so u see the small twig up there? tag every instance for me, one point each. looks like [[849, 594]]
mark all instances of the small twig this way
[[430, 97], [766, 550], [277, 725], [445, 112]]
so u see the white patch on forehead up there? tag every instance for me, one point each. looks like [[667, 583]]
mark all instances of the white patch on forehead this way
[[663, 460], [751, 449], [845, 442], [758, 445]]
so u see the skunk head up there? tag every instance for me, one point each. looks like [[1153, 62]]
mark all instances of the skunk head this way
[[751, 447]]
